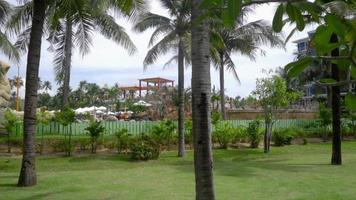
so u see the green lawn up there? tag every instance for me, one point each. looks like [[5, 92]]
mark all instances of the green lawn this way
[[294, 172]]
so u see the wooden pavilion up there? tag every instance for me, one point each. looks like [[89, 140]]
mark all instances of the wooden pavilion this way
[[148, 84]]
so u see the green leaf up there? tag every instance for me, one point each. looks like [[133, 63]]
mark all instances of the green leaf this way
[[278, 19], [295, 68], [353, 72], [321, 40], [350, 101], [299, 19], [327, 80], [336, 24], [290, 11]]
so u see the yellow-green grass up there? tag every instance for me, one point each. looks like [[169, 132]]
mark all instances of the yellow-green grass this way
[[292, 172]]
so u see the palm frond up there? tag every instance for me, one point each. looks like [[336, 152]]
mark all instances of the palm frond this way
[[23, 40], [21, 18], [8, 48], [150, 20], [169, 42], [111, 30]]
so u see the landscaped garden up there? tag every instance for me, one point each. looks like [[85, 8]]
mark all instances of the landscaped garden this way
[[291, 172]]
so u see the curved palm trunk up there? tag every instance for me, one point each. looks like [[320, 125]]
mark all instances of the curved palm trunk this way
[[336, 109], [181, 145], [201, 95], [67, 61], [28, 171], [222, 87]]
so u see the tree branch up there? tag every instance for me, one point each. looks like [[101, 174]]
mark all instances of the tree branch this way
[[271, 1], [340, 83]]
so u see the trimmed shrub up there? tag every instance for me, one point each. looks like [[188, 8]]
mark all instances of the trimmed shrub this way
[[254, 133], [283, 136], [223, 134], [145, 149], [123, 139]]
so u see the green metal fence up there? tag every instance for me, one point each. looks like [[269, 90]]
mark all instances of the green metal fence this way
[[138, 127]]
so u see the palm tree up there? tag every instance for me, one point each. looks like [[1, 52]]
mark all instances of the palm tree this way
[[6, 46], [176, 37], [244, 39], [28, 170], [76, 25], [201, 88], [46, 85]]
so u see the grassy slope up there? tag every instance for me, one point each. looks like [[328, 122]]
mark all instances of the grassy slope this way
[[294, 172]]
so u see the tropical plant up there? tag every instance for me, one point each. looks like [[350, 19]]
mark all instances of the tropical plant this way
[[253, 133], [201, 96], [10, 125], [324, 116], [224, 134], [163, 132], [36, 15], [334, 44], [272, 94], [175, 31], [42, 118], [76, 20], [146, 148], [94, 129], [6, 47], [244, 38], [66, 117], [123, 139]]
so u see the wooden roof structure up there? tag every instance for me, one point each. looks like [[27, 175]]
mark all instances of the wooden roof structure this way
[[151, 84]]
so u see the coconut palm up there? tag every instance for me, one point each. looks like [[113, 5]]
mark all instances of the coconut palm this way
[[244, 39], [72, 23], [29, 21], [46, 85], [201, 88], [6, 46], [28, 171], [175, 31], [76, 25]]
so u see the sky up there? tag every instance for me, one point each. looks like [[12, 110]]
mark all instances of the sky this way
[[108, 63]]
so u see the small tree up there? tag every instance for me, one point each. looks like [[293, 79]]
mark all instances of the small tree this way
[[272, 94], [324, 116], [10, 125], [42, 118], [94, 129], [66, 117], [123, 139]]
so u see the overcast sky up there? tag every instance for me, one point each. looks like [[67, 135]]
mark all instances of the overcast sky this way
[[108, 63]]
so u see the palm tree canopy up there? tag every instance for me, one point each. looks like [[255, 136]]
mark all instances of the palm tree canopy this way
[[6, 47], [244, 39], [172, 28]]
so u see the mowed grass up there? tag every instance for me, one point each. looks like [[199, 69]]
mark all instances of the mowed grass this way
[[293, 172]]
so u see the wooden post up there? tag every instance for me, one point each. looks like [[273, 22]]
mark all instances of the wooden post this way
[[140, 87]]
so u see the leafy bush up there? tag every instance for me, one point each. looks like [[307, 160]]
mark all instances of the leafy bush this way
[[10, 125], [145, 149], [283, 136], [188, 132], [239, 134], [223, 134], [163, 132], [215, 117], [254, 133], [123, 139], [94, 129]]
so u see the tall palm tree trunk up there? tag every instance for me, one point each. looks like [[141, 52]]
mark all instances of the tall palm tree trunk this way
[[336, 109], [201, 89], [67, 61], [28, 171], [222, 87], [181, 145]]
